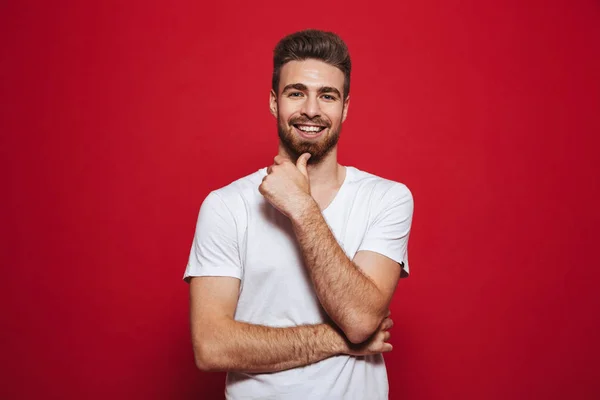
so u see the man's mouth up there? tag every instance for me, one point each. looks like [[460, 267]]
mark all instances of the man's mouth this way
[[309, 130]]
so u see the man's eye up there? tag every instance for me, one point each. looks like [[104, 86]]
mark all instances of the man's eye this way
[[295, 94], [328, 97]]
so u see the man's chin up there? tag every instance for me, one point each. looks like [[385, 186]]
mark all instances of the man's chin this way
[[318, 147]]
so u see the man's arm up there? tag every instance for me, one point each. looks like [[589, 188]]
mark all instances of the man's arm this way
[[223, 344], [355, 293]]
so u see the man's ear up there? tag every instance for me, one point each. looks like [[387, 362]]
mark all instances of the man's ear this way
[[273, 103], [345, 110]]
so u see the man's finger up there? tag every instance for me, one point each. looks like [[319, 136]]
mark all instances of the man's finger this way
[[387, 324], [279, 159], [301, 163]]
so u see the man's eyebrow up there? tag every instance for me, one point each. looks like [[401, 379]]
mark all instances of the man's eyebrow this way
[[303, 87], [329, 89], [297, 86]]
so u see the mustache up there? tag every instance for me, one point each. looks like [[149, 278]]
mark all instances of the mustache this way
[[315, 121]]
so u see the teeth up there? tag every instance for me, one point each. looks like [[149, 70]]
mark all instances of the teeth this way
[[310, 128]]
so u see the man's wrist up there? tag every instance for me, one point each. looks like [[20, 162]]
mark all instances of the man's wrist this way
[[306, 206]]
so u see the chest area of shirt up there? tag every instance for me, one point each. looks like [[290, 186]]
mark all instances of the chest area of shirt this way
[[272, 243]]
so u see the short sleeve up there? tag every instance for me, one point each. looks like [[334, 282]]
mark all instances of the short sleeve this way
[[215, 250], [389, 229]]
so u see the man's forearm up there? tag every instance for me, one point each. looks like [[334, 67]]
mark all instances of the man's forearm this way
[[243, 347], [345, 292]]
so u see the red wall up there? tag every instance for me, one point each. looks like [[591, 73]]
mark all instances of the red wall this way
[[117, 119]]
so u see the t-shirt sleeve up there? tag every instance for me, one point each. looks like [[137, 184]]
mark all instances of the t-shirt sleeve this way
[[389, 229], [215, 249]]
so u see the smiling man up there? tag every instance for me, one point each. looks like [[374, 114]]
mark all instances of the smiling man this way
[[292, 268]]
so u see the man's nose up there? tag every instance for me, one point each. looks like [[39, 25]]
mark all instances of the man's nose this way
[[311, 107]]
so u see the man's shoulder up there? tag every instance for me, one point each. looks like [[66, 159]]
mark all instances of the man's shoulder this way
[[376, 185], [243, 189]]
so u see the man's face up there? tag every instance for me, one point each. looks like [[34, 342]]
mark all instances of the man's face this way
[[309, 107]]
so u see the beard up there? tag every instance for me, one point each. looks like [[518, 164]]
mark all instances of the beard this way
[[296, 145]]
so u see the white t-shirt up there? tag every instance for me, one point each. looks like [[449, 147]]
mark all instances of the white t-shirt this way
[[239, 234]]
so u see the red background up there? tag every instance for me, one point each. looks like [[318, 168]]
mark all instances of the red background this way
[[118, 119]]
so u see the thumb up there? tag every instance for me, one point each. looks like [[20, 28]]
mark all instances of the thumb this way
[[301, 163]]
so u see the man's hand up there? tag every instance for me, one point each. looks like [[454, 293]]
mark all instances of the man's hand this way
[[286, 186], [378, 343]]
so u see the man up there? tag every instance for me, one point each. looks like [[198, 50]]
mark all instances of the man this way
[[293, 267]]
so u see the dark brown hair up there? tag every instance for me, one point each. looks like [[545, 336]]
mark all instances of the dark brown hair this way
[[311, 43]]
